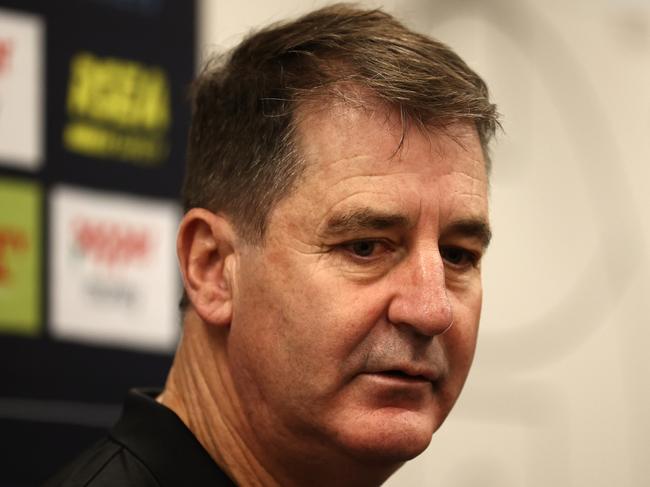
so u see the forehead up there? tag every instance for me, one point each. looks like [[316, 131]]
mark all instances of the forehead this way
[[369, 152]]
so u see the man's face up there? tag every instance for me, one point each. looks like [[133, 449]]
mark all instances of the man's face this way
[[340, 340]]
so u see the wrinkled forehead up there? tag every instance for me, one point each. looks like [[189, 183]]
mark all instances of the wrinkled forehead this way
[[346, 126], [363, 170]]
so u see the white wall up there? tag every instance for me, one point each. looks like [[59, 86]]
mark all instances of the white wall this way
[[559, 393]]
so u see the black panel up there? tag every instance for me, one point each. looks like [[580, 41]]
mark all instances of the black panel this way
[[56, 397]]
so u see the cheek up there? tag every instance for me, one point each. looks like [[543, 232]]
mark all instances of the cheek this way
[[284, 320], [460, 340], [460, 344], [326, 335], [345, 311]]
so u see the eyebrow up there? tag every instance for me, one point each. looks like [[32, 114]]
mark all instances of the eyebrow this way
[[472, 228], [363, 219]]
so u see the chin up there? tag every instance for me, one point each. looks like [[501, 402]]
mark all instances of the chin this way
[[390, 436]]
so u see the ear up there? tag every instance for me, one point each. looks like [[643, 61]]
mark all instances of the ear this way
[[205, 247]]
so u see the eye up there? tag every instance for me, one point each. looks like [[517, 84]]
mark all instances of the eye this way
[[366, 249], [363, 248], [459, 257]]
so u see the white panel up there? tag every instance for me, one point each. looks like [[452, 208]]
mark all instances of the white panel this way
[[113, 278], [21, 88]]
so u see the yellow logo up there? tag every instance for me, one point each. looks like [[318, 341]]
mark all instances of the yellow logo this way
[[118, 109]]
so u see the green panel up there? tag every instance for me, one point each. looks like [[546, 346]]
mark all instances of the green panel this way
[[20, 257]]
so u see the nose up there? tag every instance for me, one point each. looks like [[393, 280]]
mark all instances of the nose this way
[[420, 298]]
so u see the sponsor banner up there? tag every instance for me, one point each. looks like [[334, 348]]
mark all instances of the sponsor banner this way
[[21, 90], [20, 257], [117, 99], [117, 109], [113, 278]]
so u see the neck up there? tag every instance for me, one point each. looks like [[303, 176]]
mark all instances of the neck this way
[[201, 392]]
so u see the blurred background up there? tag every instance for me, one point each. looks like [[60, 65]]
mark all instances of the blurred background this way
[[92, 126]]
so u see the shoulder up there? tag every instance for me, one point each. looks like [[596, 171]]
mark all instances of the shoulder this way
[[148, 446], [105, 464]]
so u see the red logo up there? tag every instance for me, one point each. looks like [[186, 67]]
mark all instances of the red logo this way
[[6, 49], [111, 243], [15, 240]]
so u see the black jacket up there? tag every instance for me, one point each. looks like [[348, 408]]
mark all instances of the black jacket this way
[[148, 447]]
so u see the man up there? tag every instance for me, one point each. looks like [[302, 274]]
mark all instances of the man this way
[[336, 215]]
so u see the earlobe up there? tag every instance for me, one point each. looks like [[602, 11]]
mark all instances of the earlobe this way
[[205, 246]]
